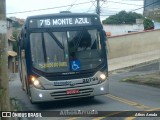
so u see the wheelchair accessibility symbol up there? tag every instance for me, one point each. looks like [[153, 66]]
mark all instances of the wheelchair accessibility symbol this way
[[75, 65]]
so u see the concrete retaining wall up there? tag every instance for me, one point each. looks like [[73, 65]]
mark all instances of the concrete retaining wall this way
[[135, 43]]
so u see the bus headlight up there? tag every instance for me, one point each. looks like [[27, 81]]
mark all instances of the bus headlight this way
[[102, 76], [36, 83]]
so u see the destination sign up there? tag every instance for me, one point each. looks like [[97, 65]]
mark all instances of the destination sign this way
[[57, 22]]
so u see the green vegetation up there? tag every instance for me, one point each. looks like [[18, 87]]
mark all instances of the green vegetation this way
[[148, 79], [15, 106], [148, 24], [124, 17]]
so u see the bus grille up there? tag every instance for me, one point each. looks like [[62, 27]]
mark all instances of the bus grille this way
[[68, 77], [63, 95]]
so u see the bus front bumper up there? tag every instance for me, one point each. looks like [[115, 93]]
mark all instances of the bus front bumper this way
[[39, 95]]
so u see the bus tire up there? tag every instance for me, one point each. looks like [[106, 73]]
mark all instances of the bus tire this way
[[30, 98], [29, 94], [32, 101]]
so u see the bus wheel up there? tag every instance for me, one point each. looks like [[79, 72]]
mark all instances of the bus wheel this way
[[30, 98], [29, 93], [32, 101]]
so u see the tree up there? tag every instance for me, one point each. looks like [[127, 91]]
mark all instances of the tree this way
[[148, 24], [16, 24], [124, 17]]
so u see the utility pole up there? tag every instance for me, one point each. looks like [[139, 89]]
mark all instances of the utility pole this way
[[4, 84], [98, 7]]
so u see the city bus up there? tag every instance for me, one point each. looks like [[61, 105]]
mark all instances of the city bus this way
[[63, 56]]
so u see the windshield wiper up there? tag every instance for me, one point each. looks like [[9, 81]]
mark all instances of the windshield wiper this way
[[56, 40]]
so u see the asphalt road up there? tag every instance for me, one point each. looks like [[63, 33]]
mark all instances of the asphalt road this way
[[123, 97]]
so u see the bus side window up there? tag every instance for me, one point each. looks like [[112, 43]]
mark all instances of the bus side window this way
[[22, 41]]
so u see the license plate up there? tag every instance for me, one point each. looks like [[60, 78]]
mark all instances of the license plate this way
[[75, 91]]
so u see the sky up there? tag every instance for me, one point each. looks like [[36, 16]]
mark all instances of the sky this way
[[108, 7]]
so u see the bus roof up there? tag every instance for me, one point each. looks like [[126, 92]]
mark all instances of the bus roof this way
[[62, 15]]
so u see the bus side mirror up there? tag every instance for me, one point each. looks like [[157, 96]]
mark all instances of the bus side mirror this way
[[104, 33], [105, 37]]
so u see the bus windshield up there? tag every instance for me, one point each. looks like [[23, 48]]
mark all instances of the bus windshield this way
[[66, 51]]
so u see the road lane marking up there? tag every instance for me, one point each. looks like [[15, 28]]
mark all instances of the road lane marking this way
[[129, 118], [109, 115], [153, 109], [132, 118], [98, 118], [135, 104], [73, 118]]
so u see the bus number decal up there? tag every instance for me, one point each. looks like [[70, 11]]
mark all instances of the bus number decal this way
[[41, 22], [46, 22], [88, 80]]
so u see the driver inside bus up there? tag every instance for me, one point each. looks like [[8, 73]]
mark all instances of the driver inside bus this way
[[85, 41], [80, 42]]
